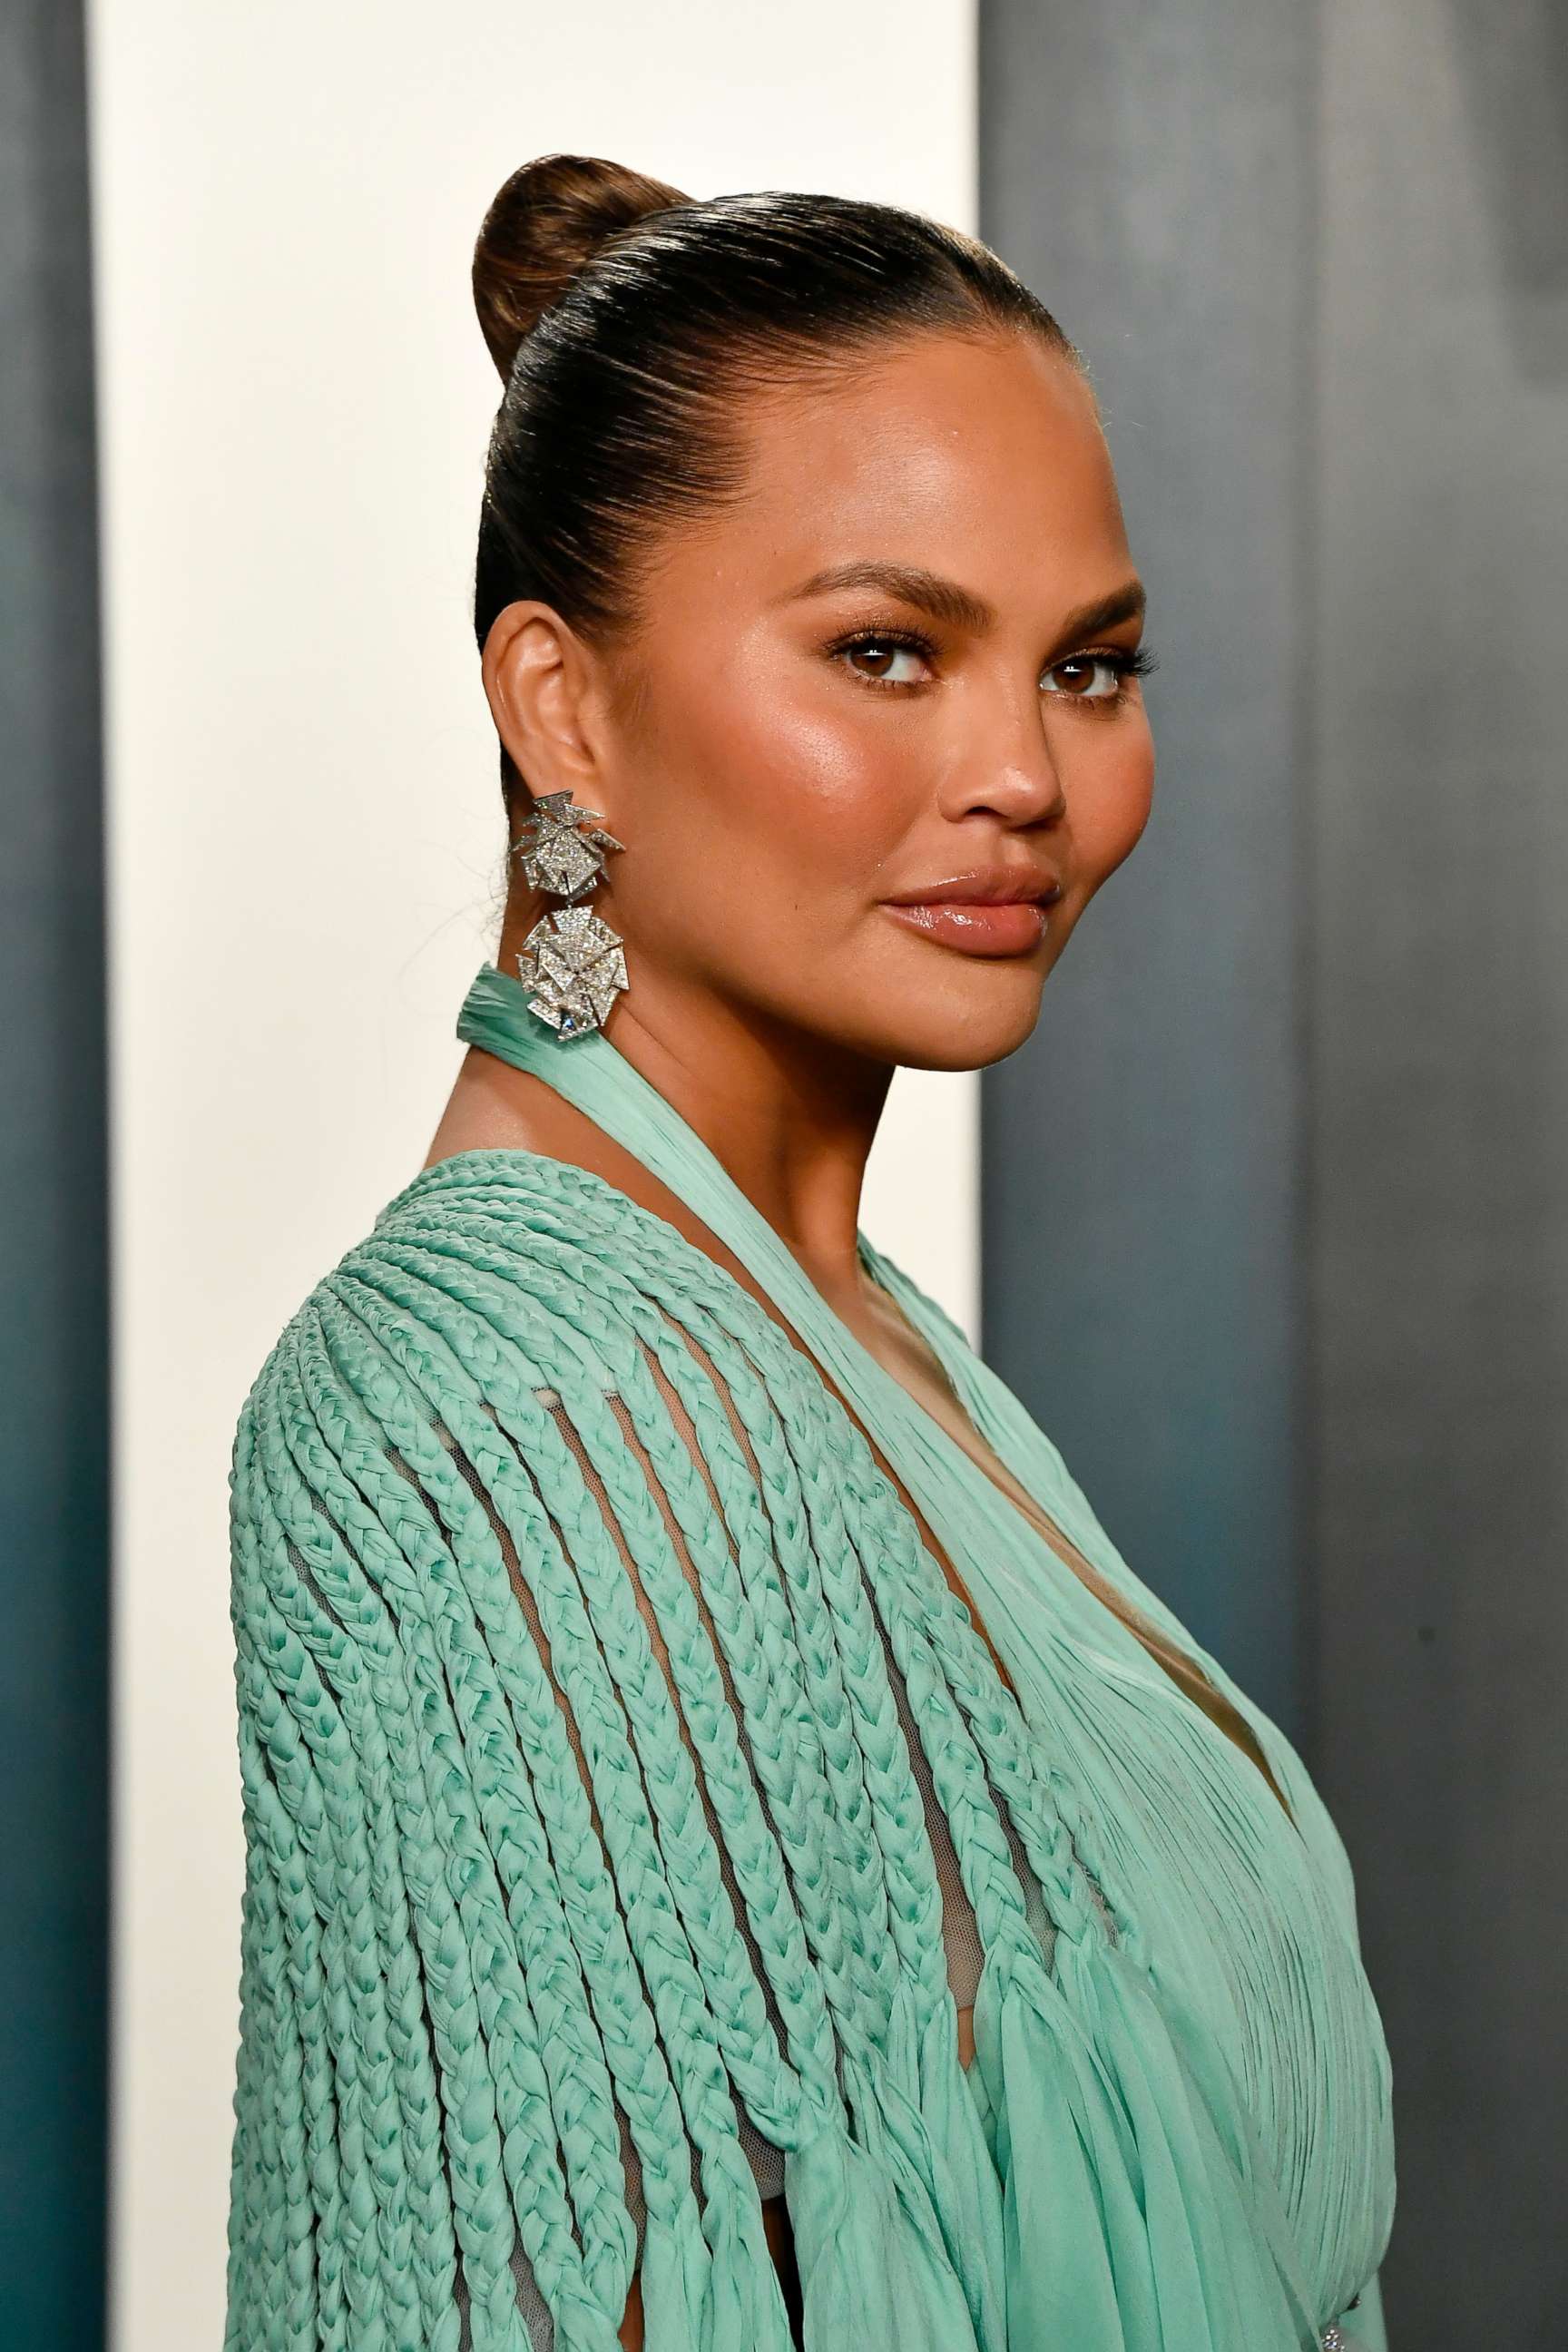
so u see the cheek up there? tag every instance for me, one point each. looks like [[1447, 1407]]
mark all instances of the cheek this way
[[766, 756], [1112, 808]]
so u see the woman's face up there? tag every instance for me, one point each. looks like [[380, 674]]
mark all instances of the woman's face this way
[[878, 711]]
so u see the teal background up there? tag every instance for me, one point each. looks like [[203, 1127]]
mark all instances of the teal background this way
[[55, 1616]]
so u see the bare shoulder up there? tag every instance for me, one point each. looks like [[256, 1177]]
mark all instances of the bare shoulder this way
[[494, 1106]]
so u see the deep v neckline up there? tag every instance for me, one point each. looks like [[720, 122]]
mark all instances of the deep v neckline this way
[[591, 1074], [1179, 1668]]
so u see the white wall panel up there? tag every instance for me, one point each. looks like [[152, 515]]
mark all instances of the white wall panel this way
[[305, 844]]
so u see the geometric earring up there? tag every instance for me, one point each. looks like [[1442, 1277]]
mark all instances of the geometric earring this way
[[572, 962]]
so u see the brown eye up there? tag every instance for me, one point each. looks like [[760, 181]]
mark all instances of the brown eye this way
[[881, 651], [1080, 672], [880, 659]]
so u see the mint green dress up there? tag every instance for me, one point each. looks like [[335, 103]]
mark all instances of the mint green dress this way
[[617, 1761]]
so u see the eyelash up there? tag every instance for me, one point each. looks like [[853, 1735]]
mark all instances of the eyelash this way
[[905, 640]]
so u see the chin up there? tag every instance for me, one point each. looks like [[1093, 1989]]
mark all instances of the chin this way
[[966, 1029], [921, 1006]]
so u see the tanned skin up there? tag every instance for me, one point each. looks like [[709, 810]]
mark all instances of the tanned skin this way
[[775, 790]]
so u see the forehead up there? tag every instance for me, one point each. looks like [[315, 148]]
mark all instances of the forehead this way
[[970, 455]]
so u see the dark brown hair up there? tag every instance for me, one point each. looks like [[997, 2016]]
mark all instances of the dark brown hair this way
[[629, 323]]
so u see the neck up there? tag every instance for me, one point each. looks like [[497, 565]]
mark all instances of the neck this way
[[789, 1117]]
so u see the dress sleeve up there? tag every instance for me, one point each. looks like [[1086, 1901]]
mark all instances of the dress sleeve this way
[[423, 2116], [525, 2009]]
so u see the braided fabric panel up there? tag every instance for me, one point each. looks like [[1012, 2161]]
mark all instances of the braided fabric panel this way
[[555, 1748]]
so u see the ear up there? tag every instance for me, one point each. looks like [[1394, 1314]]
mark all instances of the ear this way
[[543, 688]]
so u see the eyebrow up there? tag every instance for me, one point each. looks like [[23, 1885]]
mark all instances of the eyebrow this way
[[945, 599]]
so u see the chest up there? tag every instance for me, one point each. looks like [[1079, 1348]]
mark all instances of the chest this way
[[914, 1364]]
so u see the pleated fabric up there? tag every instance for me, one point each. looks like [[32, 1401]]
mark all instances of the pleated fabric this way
[[614, 1746]]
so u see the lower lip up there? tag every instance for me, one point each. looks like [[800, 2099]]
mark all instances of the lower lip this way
[[976, 930]]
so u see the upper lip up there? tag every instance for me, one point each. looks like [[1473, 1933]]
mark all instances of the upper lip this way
[[984, 886]]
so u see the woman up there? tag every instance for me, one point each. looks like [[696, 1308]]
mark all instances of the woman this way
[[735, 1856]]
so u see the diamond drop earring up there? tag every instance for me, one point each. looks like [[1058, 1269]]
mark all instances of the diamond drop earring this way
[[571, 962]]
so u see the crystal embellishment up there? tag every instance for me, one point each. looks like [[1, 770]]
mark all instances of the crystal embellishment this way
[[574, 965], [571, 962], [1334, 2339], [562, 847]]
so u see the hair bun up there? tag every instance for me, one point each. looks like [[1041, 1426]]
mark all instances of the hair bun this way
[[545, 224]]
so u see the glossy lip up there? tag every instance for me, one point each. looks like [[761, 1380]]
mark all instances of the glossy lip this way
[[990, 911], [1007, 928]]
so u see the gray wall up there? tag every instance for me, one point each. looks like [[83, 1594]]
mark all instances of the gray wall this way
[[1153, 180], [54, 1433], [1276, 1201], [1439, 1022]]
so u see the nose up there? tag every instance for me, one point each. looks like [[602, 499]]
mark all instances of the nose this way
[[1009, 771]]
